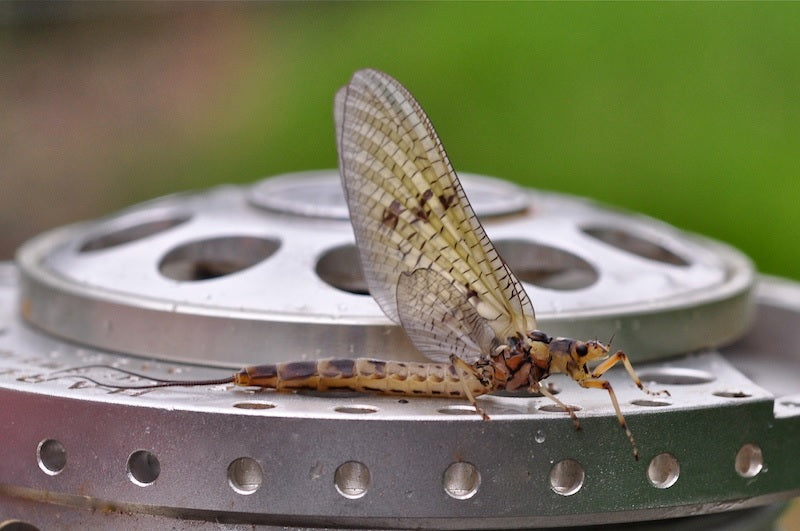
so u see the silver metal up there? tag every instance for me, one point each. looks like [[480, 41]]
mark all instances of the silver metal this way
[[319, 194], [140, 459], [241, 275]]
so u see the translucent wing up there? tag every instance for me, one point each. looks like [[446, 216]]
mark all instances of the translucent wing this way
[[409, 211], [440, 320]]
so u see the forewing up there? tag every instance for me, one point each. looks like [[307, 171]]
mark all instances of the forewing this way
[[439, 320], [409, 210]]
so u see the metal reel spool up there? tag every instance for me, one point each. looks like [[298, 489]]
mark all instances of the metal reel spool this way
[[236, 276]]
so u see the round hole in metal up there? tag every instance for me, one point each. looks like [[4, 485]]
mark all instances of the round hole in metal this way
[[732, 394], [555, 408], [143, 468], [546, 267], [676, 376], [215, 257], [749, 460], [650, 403], [526, 393], [461, 480], [245, 475], [663, 470], [567, 477], [340, 267], [356, 409], [132, 233], [459, 409], [17, 525], [352, 479], [51, 456], [254, 405], [622, 239]]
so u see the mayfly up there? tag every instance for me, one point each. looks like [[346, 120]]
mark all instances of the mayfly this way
[[432, 269]]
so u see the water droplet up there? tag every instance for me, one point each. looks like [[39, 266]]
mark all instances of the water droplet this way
[[316, 471], [539, 437]]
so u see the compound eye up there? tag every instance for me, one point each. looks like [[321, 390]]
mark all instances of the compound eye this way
[[581, 349]]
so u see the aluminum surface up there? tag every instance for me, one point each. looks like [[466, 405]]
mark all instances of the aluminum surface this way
[[73, 444], [235, 276]]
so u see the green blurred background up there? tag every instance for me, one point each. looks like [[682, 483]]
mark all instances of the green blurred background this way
[[688, 112]]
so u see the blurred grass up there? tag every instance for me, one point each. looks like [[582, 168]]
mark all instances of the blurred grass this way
[[687, 112]]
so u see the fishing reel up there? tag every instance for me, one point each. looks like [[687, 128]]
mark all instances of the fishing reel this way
[[192, 286]]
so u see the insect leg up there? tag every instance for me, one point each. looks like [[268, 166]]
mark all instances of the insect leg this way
[[465, 371], [537, 387], [594, 383], [621, 356]]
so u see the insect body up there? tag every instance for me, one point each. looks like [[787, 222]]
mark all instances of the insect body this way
[[432, 269], [428, 261]]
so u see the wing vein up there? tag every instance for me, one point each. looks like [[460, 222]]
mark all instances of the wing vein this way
[[409, 212]]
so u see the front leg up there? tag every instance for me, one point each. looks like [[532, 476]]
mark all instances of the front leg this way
[[594, 383], [616, 358]]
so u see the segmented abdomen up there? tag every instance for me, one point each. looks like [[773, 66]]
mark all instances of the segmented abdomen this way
[[360, 374]]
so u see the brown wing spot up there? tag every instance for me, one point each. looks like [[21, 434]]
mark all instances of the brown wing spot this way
[[447, 200], [421, 213], [297, 370], [470, 292], [392, 214]]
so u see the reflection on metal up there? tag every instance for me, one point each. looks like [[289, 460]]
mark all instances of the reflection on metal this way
[[83, 456]]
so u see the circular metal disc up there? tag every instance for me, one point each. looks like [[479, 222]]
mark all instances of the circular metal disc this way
[[320, 194], [236, 276]]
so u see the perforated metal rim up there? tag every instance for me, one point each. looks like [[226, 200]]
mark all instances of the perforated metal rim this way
[[148, 453], [252, 289]]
